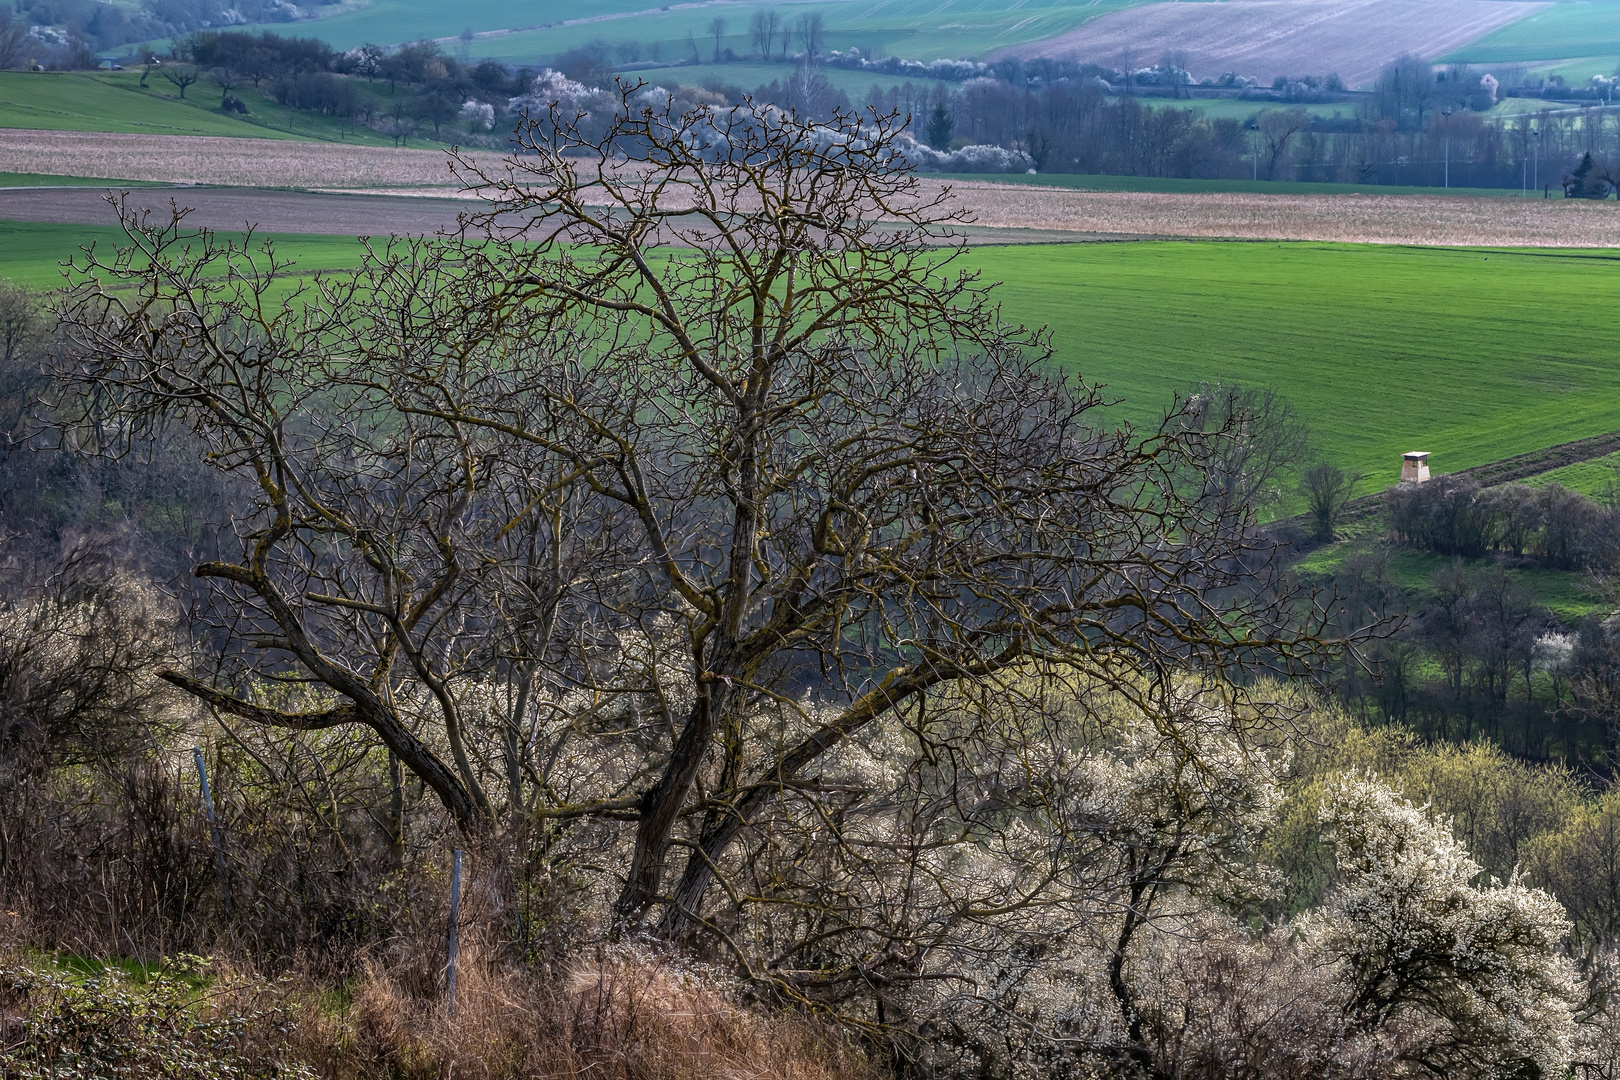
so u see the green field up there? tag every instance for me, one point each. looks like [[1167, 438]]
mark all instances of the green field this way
[[1473, 355], [15, 180], [33, 254], [1562, 31], [114, 101], [749, 75], [1567, 594], [1588, 477], [914, 29]]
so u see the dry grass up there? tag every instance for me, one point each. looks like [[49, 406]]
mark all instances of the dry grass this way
[[621, 1017]]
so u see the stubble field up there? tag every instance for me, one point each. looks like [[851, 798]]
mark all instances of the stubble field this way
[[188, 159]]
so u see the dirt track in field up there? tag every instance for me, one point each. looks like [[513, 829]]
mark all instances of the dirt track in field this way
[[235, 208], [1267, 38]]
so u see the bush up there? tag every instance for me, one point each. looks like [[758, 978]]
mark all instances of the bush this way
[[1552, 525], [174, 1022]]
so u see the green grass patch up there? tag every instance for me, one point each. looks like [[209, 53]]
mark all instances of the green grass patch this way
[[1567, 594], [1593, 478], [1238, 109], [114, 101], [751, 75], [16, 180], [1589, 28], [1473, 355], [1100, 182], [34, 254]]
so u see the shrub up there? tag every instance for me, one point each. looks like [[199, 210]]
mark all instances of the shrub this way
[[175, 1022]]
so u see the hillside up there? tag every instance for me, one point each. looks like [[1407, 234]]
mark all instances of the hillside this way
[[114, 101]]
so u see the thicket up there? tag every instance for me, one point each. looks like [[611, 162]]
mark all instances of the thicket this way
[[1543, 526]]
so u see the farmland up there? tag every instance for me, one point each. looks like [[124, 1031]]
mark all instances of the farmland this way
[[1558, 31], [114, 101], [1474, 355], [915, 29], [211, 160], [1353, 38]]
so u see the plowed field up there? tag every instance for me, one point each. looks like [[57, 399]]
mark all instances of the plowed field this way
[[1267, 38]]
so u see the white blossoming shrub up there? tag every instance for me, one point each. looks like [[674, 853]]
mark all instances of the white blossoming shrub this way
[[969, 159], [1478, 967], [477, 115]]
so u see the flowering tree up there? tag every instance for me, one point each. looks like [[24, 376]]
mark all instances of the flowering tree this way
[[1474, 972]]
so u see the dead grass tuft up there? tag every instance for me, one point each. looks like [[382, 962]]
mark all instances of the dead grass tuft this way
[[625, 1016]]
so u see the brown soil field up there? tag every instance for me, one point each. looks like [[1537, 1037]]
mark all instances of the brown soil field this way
[[1267, 38]]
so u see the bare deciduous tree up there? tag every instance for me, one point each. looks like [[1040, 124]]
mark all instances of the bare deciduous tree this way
[[181, 75], [1327, 488], [650, 517], [1257, 437]]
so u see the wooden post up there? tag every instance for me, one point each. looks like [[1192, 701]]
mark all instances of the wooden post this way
[[213, 827], [455, 920]]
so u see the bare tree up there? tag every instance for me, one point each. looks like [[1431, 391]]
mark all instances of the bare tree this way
[[812, 33], [181, 75], [1327, 488], [1263, 438], [717, 30], [21, 321], [716, 476], [227, 79], [1173, 66], [12, 34], [1277, 129], [762, 31]]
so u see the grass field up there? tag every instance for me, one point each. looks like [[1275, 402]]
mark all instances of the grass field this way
[[1566, 594], [749, 75], [1562, 31], [13, 180], [1469, 354], [33, 254], [114, 101], [915, 29], [1588, 477], [1472, 355]]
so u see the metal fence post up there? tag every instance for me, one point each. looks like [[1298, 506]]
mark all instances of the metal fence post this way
[[213, 827], [455, 921]]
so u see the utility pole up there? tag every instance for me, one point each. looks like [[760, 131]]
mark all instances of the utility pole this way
[[1446, 121], [1535, 135]]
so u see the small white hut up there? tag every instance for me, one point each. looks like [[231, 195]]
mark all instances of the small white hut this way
[[1414, 466]]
